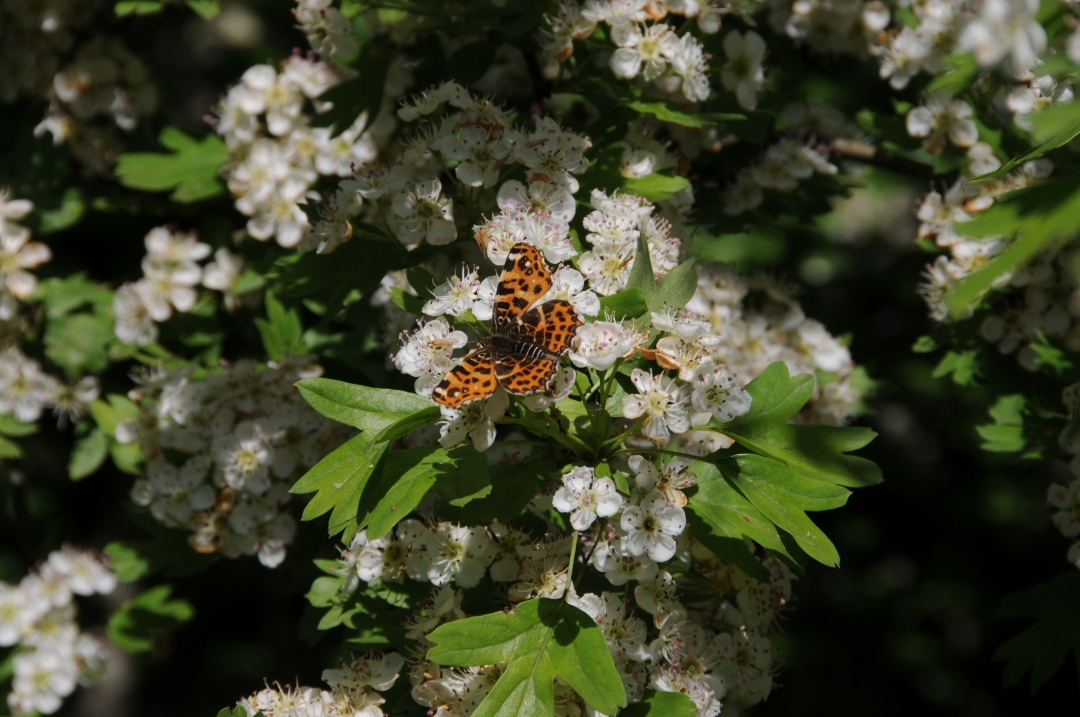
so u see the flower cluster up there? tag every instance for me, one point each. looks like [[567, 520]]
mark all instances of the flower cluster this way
[[26, 390], [757, 322], [38, 617], [781, 168], [939, 215], [669, 63], [715, 647], [354, 691], [276, 156], [171, 273], [222, 451], [326, 27]]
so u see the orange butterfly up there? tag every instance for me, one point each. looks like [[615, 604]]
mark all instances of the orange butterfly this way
[[522, 353]]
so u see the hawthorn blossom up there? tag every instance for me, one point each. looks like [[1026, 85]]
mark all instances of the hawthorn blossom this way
[[743, 72], [586, 497], [456, 296], [424, 214], [600, 344], [940, 118], [661, 401], [652, 526], [717, 392], [650, 45], [475, 421]]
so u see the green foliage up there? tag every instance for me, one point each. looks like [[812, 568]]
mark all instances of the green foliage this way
[[604, 174], [1054, 127], [1042, 216], [13, 428], [628, 303], [281, 331], [237, 711], [541, 640], [963, 366], [89, 453], [134, 626], [338, 481], [207, 9], [1043, 647], [662, 704], [78, 343], [368, 409], [1006, 434], [167, 552], [108, 415], [357, 95], [190, 171], [672, 292]]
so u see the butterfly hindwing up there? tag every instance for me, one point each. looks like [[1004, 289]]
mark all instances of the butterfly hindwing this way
[[522, 375], [471, 380], [525, 278], [551, 325]]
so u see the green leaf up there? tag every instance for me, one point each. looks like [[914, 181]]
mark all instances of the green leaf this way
[[1006, 434], [1043, 215], [406, 476], [1052, 127], [678, 287], [406, 301], [783, 495], [281, 331], [338, 481], [541, 640], [667, 112], [357, 95], [960, 74], [819, 452], [62, 296], [77, 343], [206, 9], [88, 455], [662, 704], [963, 365], [924, 345], [9, 449], [138, 7], [133, 626], [71, 209], [1042, 647], [656, 187], [190, 171], [512, 487], [369, 409], [641, 273], [168, 552], [628, 303], [11, 426]]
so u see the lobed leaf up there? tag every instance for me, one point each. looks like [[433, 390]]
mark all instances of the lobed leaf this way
[[369, 409], [1043, 647], [541, 640], [131, 627], [190, 171]]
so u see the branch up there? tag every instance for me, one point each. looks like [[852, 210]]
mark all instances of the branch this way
[[882, 158]]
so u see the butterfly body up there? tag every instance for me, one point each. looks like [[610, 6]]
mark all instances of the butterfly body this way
[[522, 353]]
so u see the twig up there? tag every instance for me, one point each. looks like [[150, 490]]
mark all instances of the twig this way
[[882, 158]]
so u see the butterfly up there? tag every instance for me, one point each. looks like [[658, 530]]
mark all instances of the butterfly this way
[[522, 353]]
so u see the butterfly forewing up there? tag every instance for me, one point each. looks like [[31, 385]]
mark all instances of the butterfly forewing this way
[[471, 380], [525, 278], [551, 326]]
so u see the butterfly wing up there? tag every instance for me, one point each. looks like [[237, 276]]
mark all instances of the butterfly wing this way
[[471, 380], [525, 278], [523, 375], [551, 326]]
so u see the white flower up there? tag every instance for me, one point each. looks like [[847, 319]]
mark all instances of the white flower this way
[[17, 254], [462, 554], [620, 567], [561, 385], [42, 679], [455, 296], [940, 118], [625, 636], [483, 306], [174, 494], [670, 480], [243, 458], [651, 528], [539, 196], [134, 324], [745, 665], [717, 392], [607, 267], [650, 45], [600, 344], [479, 155], [12, 210], [568, 284], [1066, 499], [83, 571], [223, 273], [690, 63], [424, 214], [24, 388], [661, 401], [265, 91], [1005, 30], [16, 616], [550, 235], [938, 215], [556, 153], [586, 497], [475, 421], [743, 72], [428, 349]]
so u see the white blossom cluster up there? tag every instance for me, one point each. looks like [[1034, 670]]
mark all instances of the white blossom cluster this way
[[354, 691], [939, 214], [717, 648], [757, 322], [104, 79], [276, 156], [326, 27], [37, 617], [780, 169], [831, 26], [26, 390], [670, 63], [171, 275], [222, 451]]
